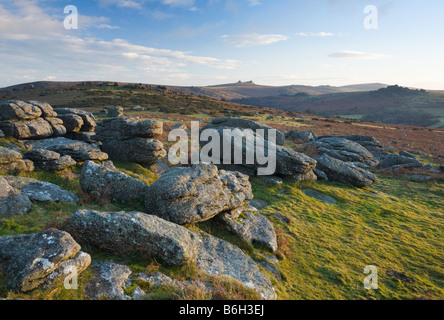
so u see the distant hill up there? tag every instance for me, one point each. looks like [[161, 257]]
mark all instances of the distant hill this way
[[368, 105], [389, 104], [249, 89]]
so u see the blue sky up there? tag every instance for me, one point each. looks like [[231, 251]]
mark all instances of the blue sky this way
[[205, 42]]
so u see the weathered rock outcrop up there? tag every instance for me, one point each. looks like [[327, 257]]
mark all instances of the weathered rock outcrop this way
[[345, 172], [369, 142], [245, 124], [78, 150], [29, 120], [12, 201], [105, 181], [394, 161], [288, 162], [18, 110], [44, 191], [41, 191], [250, 225], [342, 149], [115, 112], [219, 257], [305, 136], [49, 160], [109, 281], [197, 193], [127, 233], [44, 258], [88, 121], [130, 139], [159, 167], [12, 160]]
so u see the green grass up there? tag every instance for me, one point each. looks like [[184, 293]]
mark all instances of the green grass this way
[[396, 225], [326, 247]]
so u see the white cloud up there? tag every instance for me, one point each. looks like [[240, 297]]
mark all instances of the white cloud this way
[[316, 34], [122, 3], [253, 3], [358, 55], [129, 4], [106, 26], [32, 51], [179, 3], [253, 39]]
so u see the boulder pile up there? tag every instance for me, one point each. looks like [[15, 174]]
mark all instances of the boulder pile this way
[[49, 160], [12, 160], [78, 150], [289, 163], [29, 120], [368, 142], [131, 139], [241, 123], [345, 172], [79, 124]]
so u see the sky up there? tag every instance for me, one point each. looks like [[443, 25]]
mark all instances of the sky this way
[[208, 42]]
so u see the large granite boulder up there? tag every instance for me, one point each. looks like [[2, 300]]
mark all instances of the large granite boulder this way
[[288, 162], [251, 226], [230, 122], [197, 193], [128, 127], [72, 122], [218, 257], [394, 161], [57, 126], [44, 191], [49, 160], [109, 281], [159, 167], [138, 150], [29, 120], [305, 136], [32, 129], [130, 139], [46, 258], [12, 160], [129, 233], [370, 143], [47, 110], [344, 172], [87, 118], [342, 149], [105, 181], [18, 110], [78, 150], [115, 112], [41, 191], [12, 200]]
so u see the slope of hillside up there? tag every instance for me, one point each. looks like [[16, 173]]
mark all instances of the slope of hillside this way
[[395, 224], [387, 104], [249, 89], [371, 106]]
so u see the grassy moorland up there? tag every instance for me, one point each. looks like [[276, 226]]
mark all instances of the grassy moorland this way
[[397, 224]]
